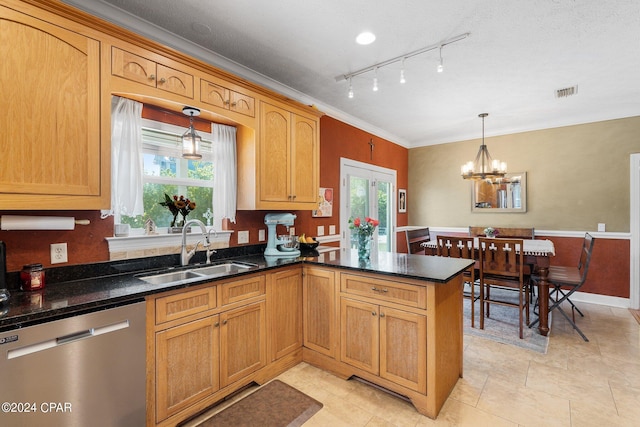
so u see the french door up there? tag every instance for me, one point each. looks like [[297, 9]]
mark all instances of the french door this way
[[368, 191]]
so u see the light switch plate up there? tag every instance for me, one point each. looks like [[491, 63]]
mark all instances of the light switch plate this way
[[261, 235], [601, 226], [332, 230], [243, 237], [321, 230]]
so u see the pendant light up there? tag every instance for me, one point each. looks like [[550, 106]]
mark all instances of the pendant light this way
[[190, 139], [484, 167]]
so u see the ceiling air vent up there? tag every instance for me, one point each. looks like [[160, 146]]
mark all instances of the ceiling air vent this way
[[566, 91]]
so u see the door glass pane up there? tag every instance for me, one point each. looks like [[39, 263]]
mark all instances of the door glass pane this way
[[359, 202], [384, 216]]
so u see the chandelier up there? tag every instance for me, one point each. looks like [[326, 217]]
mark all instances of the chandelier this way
[[484, 167]]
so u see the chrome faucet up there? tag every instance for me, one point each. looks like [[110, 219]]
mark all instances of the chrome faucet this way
[[210, 251], [185, 255]]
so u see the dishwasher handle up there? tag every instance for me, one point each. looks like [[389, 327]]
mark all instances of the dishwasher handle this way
[[74, 337]]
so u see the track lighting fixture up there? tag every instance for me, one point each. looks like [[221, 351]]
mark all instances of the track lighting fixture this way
[[375, 81], [402, 58]]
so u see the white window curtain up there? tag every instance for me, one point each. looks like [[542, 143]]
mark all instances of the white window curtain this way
[[225, 182], [126, 159]]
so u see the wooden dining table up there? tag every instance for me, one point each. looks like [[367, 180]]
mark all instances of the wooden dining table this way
[[537, 253]]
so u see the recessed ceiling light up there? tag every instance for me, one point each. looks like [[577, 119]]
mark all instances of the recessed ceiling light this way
[[365, 38]]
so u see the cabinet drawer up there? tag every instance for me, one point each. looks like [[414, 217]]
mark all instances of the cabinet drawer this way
[[184, 304], [387, 290], [242, 289]]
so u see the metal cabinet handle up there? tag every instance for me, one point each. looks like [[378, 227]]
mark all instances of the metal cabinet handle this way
[[234, 104], [152, 77], [227, 102], [216, 324], [381, 314], [162, 80], [374, 289], [385, 290], [373, 313], [224, 322]]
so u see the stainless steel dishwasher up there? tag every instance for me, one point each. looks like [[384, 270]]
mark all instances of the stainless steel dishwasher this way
[[87, 370]]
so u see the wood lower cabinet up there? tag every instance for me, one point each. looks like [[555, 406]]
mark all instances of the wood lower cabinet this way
[[284, 306], [243, 342], [385, 342], [187, 358], [402, 334], [321, 333], [53, 156]]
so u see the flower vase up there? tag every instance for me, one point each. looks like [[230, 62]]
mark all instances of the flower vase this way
[[364, 247]]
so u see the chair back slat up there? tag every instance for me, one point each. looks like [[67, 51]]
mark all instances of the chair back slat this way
[[501, 257], [455, 247], [585, 256]]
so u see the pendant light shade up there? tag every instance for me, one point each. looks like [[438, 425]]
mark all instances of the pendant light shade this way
[[190, 139]]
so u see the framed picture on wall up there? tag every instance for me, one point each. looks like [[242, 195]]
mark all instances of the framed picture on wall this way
[[402, 200]]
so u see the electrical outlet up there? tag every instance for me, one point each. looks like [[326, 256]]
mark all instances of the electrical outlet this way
[[320, 231], [261, 235], [59, 253], [292, 231], [602, 226], [243, 237], [332, 230]]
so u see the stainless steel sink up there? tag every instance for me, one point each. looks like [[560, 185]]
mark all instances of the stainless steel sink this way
[[223, 269], [172, 277], [196, 273]]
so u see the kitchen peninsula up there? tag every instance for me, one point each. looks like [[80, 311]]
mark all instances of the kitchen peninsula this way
[[396, 322]]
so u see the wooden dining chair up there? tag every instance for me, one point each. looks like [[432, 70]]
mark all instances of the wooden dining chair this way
[[566, 280], [501, 265], [461, 247], [415, 238]]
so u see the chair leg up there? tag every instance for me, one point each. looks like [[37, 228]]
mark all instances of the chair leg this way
[[481, 285], [473, 302]]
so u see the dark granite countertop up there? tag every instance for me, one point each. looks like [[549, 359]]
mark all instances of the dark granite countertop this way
[[80, 289]]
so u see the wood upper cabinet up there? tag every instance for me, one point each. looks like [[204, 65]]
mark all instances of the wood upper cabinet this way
[[51, 125], [284, 305], [288, 162], [222, 97], [187, 365], [150, 73], [319, 311], [385, 341], [243, 343]]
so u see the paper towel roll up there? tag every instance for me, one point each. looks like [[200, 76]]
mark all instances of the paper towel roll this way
[[19, 222]]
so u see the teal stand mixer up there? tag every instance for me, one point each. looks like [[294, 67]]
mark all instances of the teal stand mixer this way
[[280, 246]]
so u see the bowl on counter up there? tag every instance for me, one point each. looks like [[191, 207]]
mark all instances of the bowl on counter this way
[[309, 246]]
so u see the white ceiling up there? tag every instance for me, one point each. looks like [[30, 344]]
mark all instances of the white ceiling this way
[[518, 54]]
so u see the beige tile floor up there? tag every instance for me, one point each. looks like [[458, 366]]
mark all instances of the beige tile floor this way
[[576, 384]]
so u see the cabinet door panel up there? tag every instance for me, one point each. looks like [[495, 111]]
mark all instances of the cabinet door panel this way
[[211, 93], [274, 154], [186, 365], [359, 335], [403, 349], [242, 342], [304, 163], [174, 81], [133, 67], [285, 312], [243, 104], [50, 121], [320, 311]]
